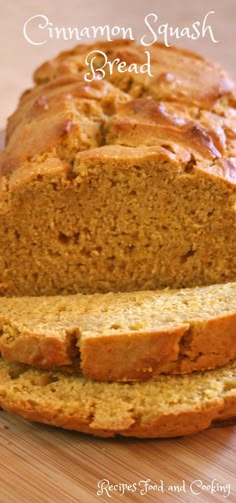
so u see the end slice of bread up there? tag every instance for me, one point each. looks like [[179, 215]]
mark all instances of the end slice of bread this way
[[169, 407]]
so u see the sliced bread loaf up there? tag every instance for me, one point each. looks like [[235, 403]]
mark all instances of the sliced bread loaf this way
[[123, 336], [122, 184], [168, 407]]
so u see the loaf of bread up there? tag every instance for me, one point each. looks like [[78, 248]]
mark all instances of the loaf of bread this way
[[169, 407], [121, 184], [124, 336], [124, 185]]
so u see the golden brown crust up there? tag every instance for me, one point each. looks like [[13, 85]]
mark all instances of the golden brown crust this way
[[193, 347], [66, 110], [179, 75], [184, 89], [191, 404], [169, 426], [148, 122]]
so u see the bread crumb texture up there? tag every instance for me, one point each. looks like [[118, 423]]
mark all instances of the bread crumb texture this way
[[171, 406], [122, 184]]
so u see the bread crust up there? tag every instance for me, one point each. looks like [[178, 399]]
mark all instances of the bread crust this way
[[192, 347]]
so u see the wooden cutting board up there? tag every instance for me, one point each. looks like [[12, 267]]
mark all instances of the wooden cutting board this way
[[40, 464]]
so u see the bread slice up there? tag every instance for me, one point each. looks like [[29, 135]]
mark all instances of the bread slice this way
[[123, 336], [122, 184], [169, 407]]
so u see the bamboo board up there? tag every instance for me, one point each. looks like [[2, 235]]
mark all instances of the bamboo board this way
[[40, 464]]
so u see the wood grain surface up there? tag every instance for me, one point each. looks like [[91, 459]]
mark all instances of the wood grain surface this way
[[40, 464]]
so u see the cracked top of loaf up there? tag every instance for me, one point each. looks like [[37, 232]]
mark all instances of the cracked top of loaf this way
[[185, 113]]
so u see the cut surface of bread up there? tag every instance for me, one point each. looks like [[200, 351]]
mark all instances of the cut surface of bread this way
[[123, 336], [123, 184], [169, 407]]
